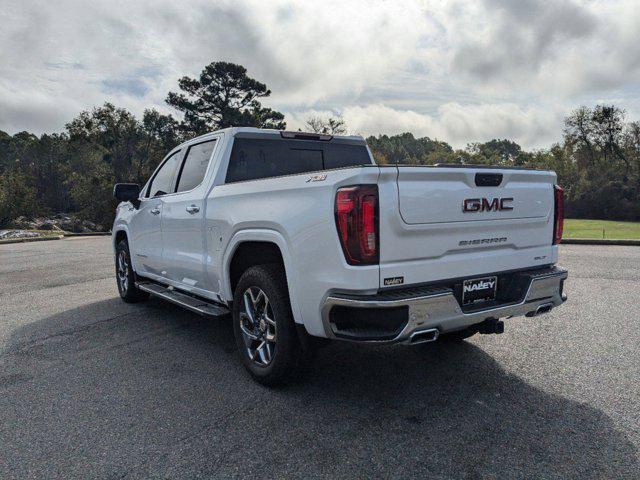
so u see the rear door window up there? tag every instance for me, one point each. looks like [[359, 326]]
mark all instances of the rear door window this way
[[252, 158], [195, 165]]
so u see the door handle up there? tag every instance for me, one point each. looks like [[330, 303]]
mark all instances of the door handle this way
[[155, 211], [193, 209]]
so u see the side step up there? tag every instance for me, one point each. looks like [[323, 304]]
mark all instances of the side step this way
[[198, 305]]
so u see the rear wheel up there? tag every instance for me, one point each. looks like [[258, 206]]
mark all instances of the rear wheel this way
[[126, 277], [264, 328]]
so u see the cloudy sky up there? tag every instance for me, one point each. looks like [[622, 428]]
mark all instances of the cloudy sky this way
[[460, 71]]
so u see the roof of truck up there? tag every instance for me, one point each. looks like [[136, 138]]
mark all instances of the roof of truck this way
[[252, 132]]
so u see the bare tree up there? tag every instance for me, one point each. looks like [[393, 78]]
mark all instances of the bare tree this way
[[332, 126]]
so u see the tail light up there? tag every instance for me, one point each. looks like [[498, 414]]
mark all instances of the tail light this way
[[357, 222], [559, 214]]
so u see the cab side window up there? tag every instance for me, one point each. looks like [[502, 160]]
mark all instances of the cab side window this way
[[163, 181], [195, 165]]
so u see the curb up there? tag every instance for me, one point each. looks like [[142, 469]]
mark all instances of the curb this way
[[30, 239], [590, 241], [87, 234], [54, 237]]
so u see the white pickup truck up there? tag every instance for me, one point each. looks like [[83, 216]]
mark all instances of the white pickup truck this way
[[302, 236]]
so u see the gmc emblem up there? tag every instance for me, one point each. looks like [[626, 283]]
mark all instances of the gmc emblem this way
[[486, 205]]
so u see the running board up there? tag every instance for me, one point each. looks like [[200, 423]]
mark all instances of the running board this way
[[198, 305]]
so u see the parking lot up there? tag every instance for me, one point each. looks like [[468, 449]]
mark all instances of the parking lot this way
[[91, 387]]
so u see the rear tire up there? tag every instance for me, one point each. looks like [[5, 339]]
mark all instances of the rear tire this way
[[265, 332], [126, 277]]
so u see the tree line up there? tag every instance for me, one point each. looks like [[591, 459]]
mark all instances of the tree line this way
[[597, 161], [74, 171]]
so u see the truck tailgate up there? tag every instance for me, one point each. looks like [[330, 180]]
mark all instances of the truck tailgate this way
[[436, 195], [442, 223]]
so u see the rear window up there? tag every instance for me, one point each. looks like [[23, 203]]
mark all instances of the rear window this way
[[253, 158], [195, 165]]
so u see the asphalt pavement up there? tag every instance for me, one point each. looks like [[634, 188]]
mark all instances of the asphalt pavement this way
[[91, 387]]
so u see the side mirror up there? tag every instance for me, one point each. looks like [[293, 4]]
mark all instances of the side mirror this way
[[126, 192]]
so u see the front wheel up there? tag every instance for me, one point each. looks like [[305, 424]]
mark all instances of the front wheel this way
[[125, 275], [264, 328]]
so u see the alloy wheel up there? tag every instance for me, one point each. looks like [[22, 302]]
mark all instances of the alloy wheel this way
[[258, 326], [123, 271]]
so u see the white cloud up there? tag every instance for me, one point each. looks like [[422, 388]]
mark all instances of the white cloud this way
[[558, 48], [531, 126], [456, 70], [458, 124]]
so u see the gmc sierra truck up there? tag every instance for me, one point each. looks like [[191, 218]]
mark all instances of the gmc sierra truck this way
[[302, 237]]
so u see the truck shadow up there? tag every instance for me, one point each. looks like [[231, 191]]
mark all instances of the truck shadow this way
[[156, 390]]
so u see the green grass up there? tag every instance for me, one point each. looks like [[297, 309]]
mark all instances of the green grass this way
[[601, 229]]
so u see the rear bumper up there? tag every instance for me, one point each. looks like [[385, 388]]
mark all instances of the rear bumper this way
[[401, 315]]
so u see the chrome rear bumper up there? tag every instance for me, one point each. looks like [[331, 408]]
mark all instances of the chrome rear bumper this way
[[438, 308]]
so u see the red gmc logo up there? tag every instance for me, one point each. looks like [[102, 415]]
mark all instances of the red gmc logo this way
[[486, 205]]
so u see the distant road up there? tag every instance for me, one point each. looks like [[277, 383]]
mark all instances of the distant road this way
[[91, 387]]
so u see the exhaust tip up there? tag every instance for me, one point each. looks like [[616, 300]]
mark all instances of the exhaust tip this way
[[543, 309], [424, 336], [540, 310]]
